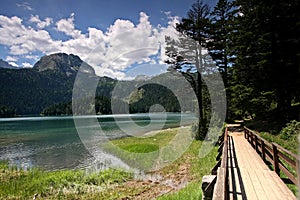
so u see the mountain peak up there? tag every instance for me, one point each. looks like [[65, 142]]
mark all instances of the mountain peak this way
[[68, 64]]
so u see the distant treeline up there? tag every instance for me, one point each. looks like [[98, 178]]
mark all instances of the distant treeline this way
[[140, 101]]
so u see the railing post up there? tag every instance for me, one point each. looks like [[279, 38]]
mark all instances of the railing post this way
[[251, 136], [275, 159], [256, 144], [247, 135], [298, 171], [263, 150]]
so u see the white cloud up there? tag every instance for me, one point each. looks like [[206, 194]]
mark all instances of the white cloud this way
[[27, 65], [67, 26], [170, 30], [111, 52], [13, 64], [129, 43], [25, 6], [11, 59], [39, 23], [23, 40], [32, 57], [11, 30]]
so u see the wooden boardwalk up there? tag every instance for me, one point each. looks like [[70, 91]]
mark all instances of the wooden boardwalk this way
[[249, 177]]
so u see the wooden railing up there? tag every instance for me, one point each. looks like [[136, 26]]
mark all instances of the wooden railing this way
[[221, 188], [281, 159]]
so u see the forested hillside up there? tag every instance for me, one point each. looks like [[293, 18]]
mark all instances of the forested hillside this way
[[49, 82], [47, 89]]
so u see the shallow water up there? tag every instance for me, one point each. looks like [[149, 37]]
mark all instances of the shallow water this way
[[53, 143]]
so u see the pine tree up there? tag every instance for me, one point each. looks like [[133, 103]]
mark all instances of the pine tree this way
[[220, 36], [267, 50], [188, 56]]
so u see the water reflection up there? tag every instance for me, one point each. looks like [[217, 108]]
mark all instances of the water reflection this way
[[53, 143]]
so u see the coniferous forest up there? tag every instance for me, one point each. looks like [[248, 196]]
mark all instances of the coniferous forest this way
[[256, 48], [254, 44]]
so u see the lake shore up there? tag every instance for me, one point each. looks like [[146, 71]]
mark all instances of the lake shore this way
[[45, 141], [112, 184]]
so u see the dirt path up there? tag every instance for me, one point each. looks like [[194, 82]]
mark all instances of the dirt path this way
[[156, 184]]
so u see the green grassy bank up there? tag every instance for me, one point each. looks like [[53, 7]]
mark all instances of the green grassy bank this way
[[111, 183]]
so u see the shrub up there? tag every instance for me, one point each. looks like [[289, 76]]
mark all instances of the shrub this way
[[291, 131]]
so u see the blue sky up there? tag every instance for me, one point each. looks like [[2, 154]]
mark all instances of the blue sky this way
[[98, 31]]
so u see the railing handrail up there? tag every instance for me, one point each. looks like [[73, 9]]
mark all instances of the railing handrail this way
[[275, 154], [221, 186], [259, 137]]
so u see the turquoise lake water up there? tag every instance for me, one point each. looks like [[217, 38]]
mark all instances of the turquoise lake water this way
[[53, 143]]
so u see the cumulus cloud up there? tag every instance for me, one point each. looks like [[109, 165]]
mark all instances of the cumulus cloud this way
[[11, 59], [67, 26], [110, 52], [23, 40], [27, 65], [134, 42], [32, 57], [39, 23], [13, 64]]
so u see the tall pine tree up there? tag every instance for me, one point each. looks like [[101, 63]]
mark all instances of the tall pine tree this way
[[221, 36], [267, 50], [187, 55]]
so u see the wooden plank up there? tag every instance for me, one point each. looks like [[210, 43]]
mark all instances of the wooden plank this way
[[238, 186], [258, 187], [281, 186], [247, 154], [258, 181], [275, 159], [248, 185], [219, 193], [285, 150], [273, 189], [287, 159], [288, 173]]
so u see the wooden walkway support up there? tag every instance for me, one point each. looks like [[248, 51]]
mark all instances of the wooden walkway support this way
[[246, 176]]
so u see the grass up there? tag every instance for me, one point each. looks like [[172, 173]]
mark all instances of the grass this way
[[140, 152], [199, 168], [63, 184], [191, 191], [140, 148], [108, 184]]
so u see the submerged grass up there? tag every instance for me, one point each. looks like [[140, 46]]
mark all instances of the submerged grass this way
[[140, 152]]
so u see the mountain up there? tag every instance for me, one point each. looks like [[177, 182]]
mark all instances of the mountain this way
[[50, 81], [6, 65], [47, 88], [61, 62]]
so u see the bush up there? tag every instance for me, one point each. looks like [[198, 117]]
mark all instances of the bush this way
[[291, 131]]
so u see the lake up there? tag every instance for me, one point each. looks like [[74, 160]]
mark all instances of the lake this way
[[53, 143]]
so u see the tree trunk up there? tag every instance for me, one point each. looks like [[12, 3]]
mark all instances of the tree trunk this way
[[199, 65]]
